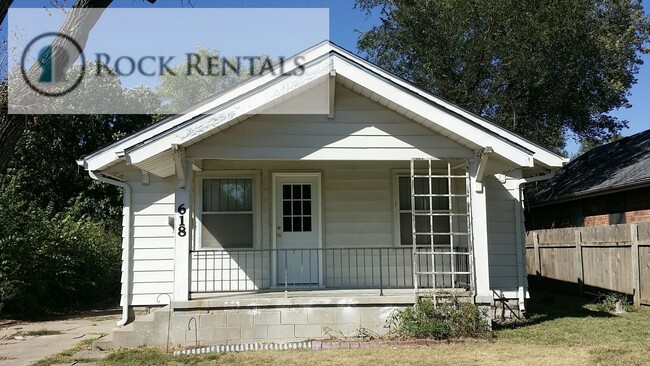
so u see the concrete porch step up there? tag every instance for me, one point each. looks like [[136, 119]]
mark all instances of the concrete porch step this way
[[137, 332]]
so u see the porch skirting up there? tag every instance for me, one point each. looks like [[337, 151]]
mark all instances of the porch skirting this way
[[272, 317]]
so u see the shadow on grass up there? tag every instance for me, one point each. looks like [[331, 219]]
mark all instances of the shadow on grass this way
[[98, 311], [544, 306]]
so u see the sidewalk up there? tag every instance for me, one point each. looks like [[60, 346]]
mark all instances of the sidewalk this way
[[18, 347]]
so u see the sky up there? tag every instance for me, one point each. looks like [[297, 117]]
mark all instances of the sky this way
[[346, 22]]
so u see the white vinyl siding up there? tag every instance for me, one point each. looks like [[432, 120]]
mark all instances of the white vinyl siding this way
[[502, 236], [153, 238], [361, 130]]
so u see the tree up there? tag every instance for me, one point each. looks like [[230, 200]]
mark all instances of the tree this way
[[180, 93], [539, 68], [77, 25], [60, 229], [587, 144]]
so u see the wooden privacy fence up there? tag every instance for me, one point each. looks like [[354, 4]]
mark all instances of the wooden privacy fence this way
[[613, 257]]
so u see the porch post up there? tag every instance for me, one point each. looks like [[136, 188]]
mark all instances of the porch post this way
[[483, 295], [182, 227]]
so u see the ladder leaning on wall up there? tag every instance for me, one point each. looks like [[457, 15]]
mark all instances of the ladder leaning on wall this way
[[442, 260]]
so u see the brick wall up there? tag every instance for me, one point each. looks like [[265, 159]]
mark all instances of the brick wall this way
[[637, 216], [596, 220], [608, 209], [630, 216]]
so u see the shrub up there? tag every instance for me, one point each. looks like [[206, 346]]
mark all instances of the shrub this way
[[608, 302], [53, 262], [449, 319]]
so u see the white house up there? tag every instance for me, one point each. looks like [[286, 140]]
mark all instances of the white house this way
[[306, 193]]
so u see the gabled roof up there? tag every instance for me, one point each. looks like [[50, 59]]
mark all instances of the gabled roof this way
[[150, 149], [618, 165]]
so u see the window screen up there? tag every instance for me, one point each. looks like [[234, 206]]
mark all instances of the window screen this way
[[227, 213], [422, 223]]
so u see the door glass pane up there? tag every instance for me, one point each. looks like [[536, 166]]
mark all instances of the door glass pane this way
[[306, 224], [286, 191], [306, 191], [296, 207], [296, 191], [297, 224], [286, 224]]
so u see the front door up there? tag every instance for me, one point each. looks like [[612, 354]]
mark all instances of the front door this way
[[297, 230]]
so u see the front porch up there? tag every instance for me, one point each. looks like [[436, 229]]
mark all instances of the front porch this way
[[289, 226], [377, 270]]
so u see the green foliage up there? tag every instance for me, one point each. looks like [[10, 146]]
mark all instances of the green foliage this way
[[452, 319], [60, 231], [610, 302], [539, 68], [587, 144], [53, 261], [40, 332], [178, 93]]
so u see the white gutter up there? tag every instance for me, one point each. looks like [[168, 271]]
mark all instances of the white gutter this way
[[521, 244], [521, 235], [128, 241], [539, 177]]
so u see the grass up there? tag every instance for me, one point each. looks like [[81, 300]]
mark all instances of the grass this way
[[561, 331], [40, 332], [66, 357]]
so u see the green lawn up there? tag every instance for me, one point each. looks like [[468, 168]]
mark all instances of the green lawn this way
[[561, 331]]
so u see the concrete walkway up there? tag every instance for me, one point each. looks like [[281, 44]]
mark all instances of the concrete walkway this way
[[17, 347]]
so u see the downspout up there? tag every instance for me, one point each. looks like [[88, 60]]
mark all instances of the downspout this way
[[127, 237], [521, 242], [521, 252]]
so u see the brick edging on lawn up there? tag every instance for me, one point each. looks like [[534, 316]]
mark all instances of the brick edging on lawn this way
[[317, 345]]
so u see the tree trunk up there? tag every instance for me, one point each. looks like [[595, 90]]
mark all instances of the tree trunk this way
[[77, 25], [4, 8], [11, 128]]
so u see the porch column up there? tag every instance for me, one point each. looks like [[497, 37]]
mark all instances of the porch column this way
[[182, 227], [480, 235]]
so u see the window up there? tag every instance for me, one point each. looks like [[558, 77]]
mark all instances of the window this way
[[422, 204], [228, 213]]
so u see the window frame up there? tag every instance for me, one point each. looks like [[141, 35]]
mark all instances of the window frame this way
[[396, 175], [255, 175]]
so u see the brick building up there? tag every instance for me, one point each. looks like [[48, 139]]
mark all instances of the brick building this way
[[608, 185]]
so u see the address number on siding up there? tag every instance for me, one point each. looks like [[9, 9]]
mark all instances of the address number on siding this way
[[182, 230]]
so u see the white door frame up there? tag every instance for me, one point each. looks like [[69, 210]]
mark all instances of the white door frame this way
[[274, 223]]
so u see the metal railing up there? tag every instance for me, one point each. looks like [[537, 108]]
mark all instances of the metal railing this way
[[332, 268]]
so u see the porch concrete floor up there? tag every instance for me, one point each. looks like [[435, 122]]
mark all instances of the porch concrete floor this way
[[321, 297]]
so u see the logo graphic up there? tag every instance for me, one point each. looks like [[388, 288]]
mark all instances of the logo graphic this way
[[47, 75]]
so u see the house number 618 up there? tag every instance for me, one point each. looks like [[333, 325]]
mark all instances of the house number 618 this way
[[182, 231]]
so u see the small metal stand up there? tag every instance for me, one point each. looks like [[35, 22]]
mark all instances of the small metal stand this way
[[169, 318]]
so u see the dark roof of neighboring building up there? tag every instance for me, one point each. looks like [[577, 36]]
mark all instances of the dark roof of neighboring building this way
[[622, 164]]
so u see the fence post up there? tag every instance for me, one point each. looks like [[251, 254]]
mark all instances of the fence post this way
[[538, 264], [579, 263], [636, 275]]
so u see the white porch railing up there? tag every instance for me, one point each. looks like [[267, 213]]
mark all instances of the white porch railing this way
[[335, 268]]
